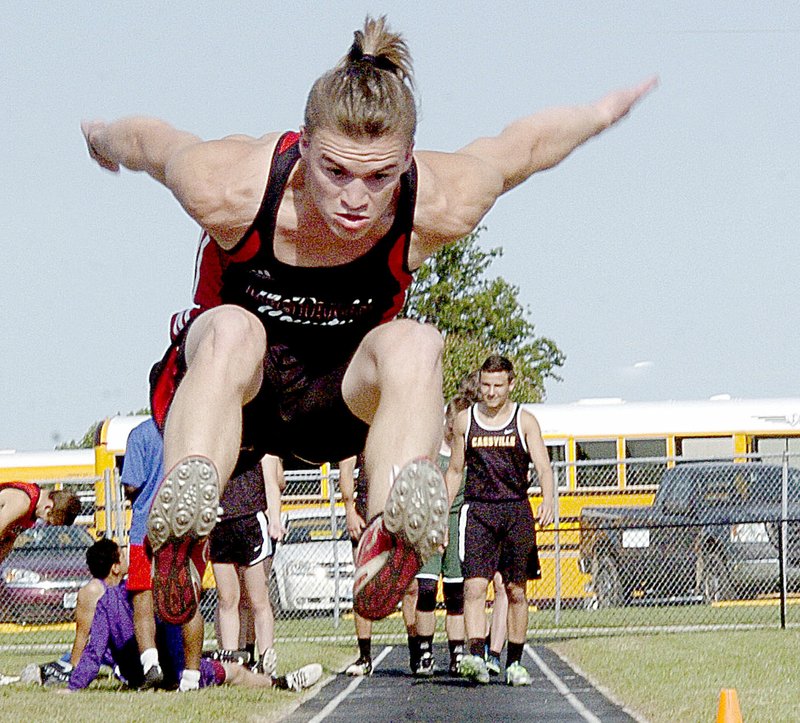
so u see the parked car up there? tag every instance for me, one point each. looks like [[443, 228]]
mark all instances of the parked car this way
[[40, 577], [711, 534], [313, 566]]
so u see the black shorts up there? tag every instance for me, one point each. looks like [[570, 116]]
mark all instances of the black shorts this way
[[499, 537], [242, 541], [298, 412]]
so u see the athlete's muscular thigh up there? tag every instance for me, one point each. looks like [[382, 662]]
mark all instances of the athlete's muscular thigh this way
[[401, 352], [232, 338]]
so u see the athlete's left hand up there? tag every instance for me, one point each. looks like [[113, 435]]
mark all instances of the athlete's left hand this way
[[276, 530], [545, 513], [89, 127]]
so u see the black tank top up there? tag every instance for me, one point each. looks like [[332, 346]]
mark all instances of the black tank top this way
[[497, 460], [328, 308], [244, 494]]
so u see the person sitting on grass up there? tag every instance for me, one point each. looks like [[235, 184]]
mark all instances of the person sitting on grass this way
[[112, 633], [108, 565]]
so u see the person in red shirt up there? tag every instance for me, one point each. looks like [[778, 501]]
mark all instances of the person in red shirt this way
[[22, 503]]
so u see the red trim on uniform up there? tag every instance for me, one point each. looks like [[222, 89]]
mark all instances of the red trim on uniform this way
[[247, 250], [397, 267], [164, 388], [288, 141], [34, 492]]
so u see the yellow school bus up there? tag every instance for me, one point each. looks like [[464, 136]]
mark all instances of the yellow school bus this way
[[612, 452]]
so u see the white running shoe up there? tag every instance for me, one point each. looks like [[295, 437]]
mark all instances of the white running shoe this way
[[473, 667], [516, 674], [304, 677], [268, 663], [362, 667]]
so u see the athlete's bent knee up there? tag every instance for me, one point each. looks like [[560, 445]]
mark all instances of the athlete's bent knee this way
[[454, 598], [426, 599], [229, 332]]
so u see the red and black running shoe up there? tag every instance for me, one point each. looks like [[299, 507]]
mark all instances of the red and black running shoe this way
[[183, 513], [396, 544]]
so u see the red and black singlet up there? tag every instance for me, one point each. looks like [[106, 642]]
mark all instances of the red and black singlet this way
[[497, 460], [326, 309], [29, 520]]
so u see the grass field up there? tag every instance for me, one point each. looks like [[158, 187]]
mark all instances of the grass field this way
[[677, 677], [107, 700], [668, 677]]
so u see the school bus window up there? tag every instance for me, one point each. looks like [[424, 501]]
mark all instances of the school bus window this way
[[557, 454], [706, 448], [596, 475], [638, 471], [772, 449]]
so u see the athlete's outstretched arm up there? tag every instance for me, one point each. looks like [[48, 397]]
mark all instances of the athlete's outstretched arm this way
[[219, 183], [457, 189], [543, 140], [138, 144]]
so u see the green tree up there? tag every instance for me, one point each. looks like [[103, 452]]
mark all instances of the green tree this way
[[89, 439], [479, 316]]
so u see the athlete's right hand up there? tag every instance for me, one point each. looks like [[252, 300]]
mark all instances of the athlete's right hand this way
[[355, 525], [88, 128]]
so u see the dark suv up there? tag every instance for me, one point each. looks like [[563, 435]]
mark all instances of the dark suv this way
[[712, 533]]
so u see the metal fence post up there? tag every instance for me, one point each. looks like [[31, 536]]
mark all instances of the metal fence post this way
[[326, 473], [557, 551], [119, 507], [783, 536], [107, 532]]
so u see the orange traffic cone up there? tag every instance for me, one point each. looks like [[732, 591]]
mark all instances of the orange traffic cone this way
[[728, 711]]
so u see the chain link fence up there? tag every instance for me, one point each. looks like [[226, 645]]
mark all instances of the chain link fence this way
[[682, 545]]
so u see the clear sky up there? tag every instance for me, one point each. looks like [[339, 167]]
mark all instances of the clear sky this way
[[659, 256]]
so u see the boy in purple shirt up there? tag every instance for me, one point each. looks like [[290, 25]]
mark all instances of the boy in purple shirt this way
[[112, 633]]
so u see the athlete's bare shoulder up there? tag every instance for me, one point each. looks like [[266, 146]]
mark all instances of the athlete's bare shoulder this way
[[91, 592], [529, 423], [454, 192], [222, 183]]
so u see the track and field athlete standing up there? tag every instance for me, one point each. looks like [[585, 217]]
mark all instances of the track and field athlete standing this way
[[497, 440], [241, 548], [322, 230]]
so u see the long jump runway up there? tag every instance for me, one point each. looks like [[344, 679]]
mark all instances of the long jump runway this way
[[558, 694]]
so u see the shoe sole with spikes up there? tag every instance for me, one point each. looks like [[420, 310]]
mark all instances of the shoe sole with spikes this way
[[417, 508], [183, 513]]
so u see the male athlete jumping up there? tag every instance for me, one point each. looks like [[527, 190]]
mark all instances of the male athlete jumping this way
[[321, 231]]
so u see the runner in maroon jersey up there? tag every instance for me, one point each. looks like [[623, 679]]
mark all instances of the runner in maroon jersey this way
[[322, 231], [497, 441]]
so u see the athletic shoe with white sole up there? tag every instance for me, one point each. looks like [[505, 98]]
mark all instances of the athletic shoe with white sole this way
[[395, 545], [267, 664], [426, 666], [56, 673], [473, 667], [362, 667], [224, 655], [493, 664], [183, 513], [304, 677], [31, 673], [517, 675]]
